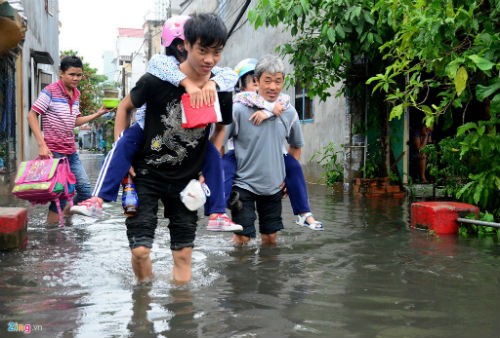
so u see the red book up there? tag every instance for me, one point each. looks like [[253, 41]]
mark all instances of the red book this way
[[199, 117]]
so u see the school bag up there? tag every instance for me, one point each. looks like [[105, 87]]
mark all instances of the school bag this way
[[40, 181]]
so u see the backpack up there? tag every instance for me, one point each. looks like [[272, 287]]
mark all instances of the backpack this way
[[40, 181]]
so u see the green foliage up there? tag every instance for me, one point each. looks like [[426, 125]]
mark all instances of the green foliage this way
[[411, 46], [467, 230], [394, 177], [373, 165], [445, 166], [450, 45], [481, 148], [370, 169], [329, 36], [328, 158], [468, 165]]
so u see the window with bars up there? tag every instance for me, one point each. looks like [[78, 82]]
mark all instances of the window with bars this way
[[303, 104]]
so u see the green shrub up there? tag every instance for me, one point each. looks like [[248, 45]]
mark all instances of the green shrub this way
[[328, 158]]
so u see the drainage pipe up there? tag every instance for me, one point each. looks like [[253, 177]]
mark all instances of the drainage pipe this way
[[478, 222]]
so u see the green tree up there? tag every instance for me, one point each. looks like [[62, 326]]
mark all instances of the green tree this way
[[449, 46], [329, 38], [413, 45]]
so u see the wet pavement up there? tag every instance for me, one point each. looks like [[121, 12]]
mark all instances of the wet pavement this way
[[366, 275]]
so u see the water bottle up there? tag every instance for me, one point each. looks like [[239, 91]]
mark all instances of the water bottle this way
[[130, 201]]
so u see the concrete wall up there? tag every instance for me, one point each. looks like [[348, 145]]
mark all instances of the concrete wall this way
[[329, 120], [42, 35]]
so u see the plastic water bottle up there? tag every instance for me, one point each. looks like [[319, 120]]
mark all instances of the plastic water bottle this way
[[130, 201]]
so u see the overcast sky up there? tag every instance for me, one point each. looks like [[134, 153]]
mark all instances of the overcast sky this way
[[90, 27]]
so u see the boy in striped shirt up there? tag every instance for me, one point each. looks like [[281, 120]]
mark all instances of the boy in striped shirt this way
[[58, 104]]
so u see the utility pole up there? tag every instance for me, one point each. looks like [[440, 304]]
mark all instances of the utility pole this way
[[124, 76]]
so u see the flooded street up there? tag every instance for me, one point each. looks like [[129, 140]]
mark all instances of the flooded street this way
[[367, 275]]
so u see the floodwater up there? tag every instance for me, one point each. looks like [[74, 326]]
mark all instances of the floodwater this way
[[366, 275]]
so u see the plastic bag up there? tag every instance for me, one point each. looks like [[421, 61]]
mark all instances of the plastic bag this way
[[194, 195]]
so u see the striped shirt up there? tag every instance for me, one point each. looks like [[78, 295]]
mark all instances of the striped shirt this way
[[59, 112]]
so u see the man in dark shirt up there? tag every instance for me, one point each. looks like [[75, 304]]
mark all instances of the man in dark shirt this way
[[171, 155]]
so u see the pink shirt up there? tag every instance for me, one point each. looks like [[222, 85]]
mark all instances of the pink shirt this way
[[59, 113]]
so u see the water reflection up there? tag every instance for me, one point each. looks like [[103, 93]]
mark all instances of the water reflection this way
[[36, 286], [140, 325], [180, 306], [366, 275], [171, 314]]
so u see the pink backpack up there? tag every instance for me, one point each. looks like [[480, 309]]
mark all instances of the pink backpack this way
[[41, 181]]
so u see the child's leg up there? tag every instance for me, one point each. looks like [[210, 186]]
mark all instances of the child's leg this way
[[296, 186], [214, 178], [216, 204], [117, 163], [229, 165], [82, 185], [297, 192]]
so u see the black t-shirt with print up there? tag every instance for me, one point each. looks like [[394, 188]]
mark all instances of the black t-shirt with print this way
[[172, 152]]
